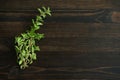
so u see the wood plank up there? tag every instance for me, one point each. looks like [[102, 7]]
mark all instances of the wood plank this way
[[68, 73], [50, 66], [69, 58], [68, 4], [66, 59], [81, 15], [64, 30]]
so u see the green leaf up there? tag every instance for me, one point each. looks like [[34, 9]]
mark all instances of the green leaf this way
[[26, 48], [31, 34], [20, 62], [44, 9], [31, 62], [39, 23], [37, 48], [18, 39], [48, 11], [33, 49], [39, 36], [17, 49], [39, 19], [33, 21], [34, 56], [21, 46], [21, 67], [23, 53], [24, 35], [39, 10], [36, 27], [43, 15]]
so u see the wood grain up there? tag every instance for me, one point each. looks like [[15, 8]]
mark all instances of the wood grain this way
[[68, 4], [82, 40], [65, 15]]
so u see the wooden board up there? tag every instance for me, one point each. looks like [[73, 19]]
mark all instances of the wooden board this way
[[82, 40], [57, 4]]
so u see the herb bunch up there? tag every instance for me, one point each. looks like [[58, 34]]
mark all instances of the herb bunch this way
[[25, 44]]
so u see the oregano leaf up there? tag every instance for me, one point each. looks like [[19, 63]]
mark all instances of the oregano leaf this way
[[20, 62], [37, 48], [34, 56]]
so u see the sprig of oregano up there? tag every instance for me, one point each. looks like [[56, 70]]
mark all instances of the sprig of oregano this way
[[25, 44]]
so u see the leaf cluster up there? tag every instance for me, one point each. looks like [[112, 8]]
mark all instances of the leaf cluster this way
[[25, 44]]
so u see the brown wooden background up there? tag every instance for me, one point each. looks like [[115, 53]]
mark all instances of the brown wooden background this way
[[82, 40]]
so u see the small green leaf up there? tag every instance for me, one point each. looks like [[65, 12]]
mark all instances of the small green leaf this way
[[18, 39], [37, 48], [33, 56], [24, 35], [17, 49], [39, 23], [21, 46], [23, 53], [48, 11], [39, 19], [43, 15], [33, 21], [31, 62], [44, 9], [31, 34], [39, 36], [26, 48], [39, 10], [32, 49], [20, 62], [21, 67]]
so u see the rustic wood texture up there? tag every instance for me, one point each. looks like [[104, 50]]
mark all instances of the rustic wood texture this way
[[82, 40]]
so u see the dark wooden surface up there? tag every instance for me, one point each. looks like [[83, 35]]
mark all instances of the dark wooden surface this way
[[82, 40]]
